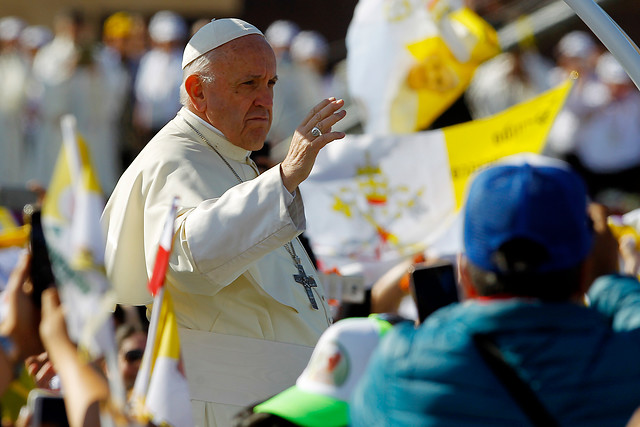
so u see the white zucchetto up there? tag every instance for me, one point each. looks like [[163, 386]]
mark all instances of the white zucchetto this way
[[214, 34]]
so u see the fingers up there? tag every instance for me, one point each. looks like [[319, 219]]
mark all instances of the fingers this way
[[326, 124], [45, 374], [35, 362], [313, 116], [323, 116], [599, 214]]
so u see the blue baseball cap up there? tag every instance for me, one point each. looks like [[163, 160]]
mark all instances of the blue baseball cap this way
[[531, 197]]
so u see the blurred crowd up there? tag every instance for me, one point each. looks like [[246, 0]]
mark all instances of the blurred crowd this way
[[117, 84], [114, 84], [597, 130]]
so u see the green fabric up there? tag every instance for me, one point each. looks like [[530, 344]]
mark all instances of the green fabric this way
[[382, 324], [306, 409]]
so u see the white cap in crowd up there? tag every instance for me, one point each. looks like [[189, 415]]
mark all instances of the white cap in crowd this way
[[308, 45], [35, 36], [281, 33], [322, 392], [214, 34], [11, 27], [576, 44], [609, 70], [167, 26]]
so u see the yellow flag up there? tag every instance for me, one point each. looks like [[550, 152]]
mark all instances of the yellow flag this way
[[521, 128]]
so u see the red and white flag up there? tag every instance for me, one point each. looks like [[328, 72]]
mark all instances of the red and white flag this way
[[161, 391], [164, 250]]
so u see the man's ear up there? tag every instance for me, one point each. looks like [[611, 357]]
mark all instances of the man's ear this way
[[193, 86], [464, 277]]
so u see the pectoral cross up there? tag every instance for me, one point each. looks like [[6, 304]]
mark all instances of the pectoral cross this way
[[307, 281]]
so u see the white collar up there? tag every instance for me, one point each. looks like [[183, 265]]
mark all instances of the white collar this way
[[204, 122], [215, 138]]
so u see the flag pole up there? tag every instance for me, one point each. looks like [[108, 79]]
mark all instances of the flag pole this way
[[611, 35]]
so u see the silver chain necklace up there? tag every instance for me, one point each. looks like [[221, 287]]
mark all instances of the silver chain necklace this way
[[307, 281]]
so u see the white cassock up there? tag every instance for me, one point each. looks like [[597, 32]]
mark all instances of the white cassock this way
[[247, 328]]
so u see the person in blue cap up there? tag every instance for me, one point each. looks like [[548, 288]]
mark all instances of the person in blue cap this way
[[536, 331]]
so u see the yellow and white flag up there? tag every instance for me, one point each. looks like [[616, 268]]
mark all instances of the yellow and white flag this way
[[373, 200], [161, 392], [409, 60], [71, 214]]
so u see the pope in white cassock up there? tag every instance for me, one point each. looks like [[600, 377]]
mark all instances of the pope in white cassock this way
[[247, 299]]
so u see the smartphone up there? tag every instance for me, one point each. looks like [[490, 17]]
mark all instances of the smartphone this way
[[433, 286], [40, 270], [47, 409]]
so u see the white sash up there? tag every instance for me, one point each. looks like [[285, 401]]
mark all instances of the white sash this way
[[240, 371]]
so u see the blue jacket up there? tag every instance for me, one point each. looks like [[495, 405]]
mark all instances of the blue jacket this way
[[583, 363]]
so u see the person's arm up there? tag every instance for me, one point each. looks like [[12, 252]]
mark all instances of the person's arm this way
[[604, 256], [84, 388], [19, 327], [388, 291]]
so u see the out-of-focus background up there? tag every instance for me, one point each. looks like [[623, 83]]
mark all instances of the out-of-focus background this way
[[330, 17], [116, 67]]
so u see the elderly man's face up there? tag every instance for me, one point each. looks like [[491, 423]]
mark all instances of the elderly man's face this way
[[239, 102]]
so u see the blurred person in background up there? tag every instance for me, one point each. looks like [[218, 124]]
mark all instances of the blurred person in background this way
[[287, 93], [53, 69], [32, 39], [136, 45], [13, 86], [157, 83], [576, 54], [506, 80], [608, 142], [131, 343], [310, 55], [113, 56], [97, 97]]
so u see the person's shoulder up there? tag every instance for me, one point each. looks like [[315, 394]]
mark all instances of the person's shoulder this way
[[170, 148], [445, 329], [406, 337]]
